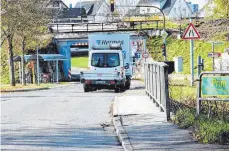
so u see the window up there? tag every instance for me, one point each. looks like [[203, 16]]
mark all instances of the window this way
[[98, 60], [113, 59], [105, 60]]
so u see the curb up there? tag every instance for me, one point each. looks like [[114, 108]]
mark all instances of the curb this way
[[24, 90], [122, 135], [121, 132], [34, 89]]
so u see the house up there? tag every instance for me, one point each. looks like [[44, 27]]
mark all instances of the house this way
[[56, 4], [55, 7], [173, 9], [177, 9], [92, 9], [99, 10], [72, 15]]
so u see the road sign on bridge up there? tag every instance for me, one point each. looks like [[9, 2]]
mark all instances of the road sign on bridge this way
[[191, 33], [145, 55]]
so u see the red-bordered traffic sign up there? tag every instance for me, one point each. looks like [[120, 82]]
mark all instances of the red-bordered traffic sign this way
[[145, 55], [191, 33]]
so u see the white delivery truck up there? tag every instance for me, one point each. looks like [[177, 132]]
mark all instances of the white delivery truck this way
[[109, 62]]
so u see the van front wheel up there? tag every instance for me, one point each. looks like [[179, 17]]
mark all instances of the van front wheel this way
[[117, 90], [86, 89]]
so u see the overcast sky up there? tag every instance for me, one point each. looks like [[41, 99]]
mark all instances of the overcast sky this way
[[200, 2]]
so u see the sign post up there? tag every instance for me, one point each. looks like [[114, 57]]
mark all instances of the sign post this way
[[145, 55], [190, 34], [192, 61], [164, 35], [213, 52]]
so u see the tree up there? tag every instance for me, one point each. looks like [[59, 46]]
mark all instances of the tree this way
[[34, 25], [221, 9], [10, 20], [21, 17]]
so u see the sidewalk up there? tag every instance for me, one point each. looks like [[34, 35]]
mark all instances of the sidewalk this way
[[141, 126]]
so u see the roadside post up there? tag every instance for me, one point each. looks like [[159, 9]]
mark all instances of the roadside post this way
[[213, 53], [200, 65], [38, 72], [190, 34], [164, 35], [57, 72], [145, 55]]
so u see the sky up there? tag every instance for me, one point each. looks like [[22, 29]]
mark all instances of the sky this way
[[200, 2]]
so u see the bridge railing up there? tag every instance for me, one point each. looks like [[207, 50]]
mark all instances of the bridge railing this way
[[156, 84], [77, 27]]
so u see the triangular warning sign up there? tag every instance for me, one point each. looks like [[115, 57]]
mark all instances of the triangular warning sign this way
[[191, 33]]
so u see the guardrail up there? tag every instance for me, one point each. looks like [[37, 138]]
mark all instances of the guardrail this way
[[156, 84]]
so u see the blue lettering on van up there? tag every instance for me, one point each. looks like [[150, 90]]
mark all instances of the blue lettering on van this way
[[107, 42], [98, 42]]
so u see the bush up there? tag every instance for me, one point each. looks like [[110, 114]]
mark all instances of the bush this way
[[207, 130], [212, 130], [184, 118]]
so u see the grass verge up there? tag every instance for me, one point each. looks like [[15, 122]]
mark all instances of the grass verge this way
[[207, 128], [79, 62]]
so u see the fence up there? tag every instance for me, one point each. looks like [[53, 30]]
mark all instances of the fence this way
[[156, 84]]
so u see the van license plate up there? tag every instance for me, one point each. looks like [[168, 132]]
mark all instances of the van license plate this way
[[100, 82]]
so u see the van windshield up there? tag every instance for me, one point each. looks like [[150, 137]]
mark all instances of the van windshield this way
[[105, 60]]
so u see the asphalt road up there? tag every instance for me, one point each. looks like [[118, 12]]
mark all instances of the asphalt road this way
[[60, 119]]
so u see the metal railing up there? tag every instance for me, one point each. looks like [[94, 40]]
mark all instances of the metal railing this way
[[156, 84], [99, 27]]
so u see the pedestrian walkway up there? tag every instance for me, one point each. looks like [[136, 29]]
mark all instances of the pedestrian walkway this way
[[147, 128]]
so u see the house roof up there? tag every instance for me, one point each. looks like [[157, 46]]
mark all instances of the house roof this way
[[151, 2], [168, 6], [88, 5], [51, 1], [70, 13], [91, 7]]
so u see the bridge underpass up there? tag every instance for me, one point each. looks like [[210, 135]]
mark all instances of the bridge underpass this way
[[67, 34]]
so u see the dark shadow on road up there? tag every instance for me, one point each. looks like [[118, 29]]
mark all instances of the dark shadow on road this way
[[61, 137]]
